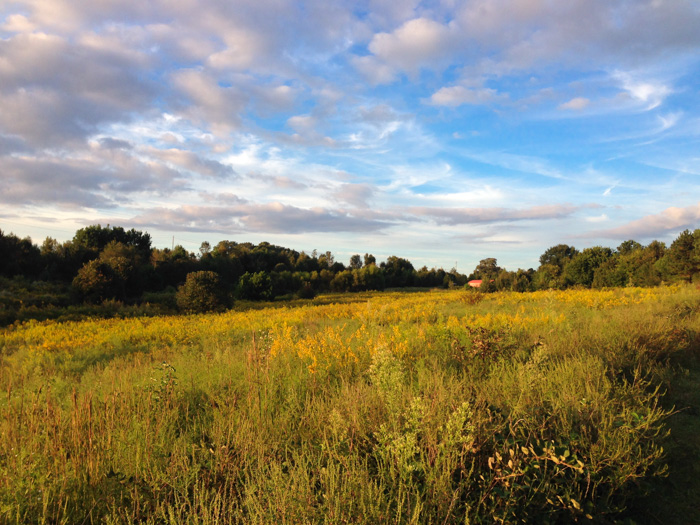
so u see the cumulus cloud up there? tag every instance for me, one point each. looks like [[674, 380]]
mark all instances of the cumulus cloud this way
[[53, 91], [101, 177], [375, 71], [668, 221], [420, 42], [245, 115]]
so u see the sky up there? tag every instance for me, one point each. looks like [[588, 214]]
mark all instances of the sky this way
[[444, 132]]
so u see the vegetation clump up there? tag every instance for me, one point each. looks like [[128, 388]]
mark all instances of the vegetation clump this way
[[201, 292], [546, 407]]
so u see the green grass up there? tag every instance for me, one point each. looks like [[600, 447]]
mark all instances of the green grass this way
[[594, 418]]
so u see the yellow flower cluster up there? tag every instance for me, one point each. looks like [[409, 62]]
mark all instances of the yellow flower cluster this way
[[599, 299], [324, 336]]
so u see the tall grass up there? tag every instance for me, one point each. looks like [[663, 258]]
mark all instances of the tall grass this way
[[441, 407]]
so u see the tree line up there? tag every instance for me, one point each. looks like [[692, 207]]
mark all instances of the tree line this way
[[111, 263]]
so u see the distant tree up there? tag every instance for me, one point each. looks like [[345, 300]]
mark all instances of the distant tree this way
[[96, 237], [368, 278], [305, 263], [204, 249], [398, 272], [581, 269], [558, 255], [343, 281], [369, 259], [682, 259], [326, 261], [521, 281], [19, 256], [170, 267], [611, 274], [504, 280], [355, 262], [641, 265], [201, 292], [486, 269], [255, 286], [547, 277], [97, 281], [628, 247]]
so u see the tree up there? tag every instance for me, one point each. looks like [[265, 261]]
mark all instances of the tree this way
[[97, 281], [326, 261], [95, 238], [582, 267], [611, 274], [398, 272], [368, 278], [355, 262], [343, 281], [19, 256], [370, 259], [682, 259], [548, 276], [201, 292], [558, 255], [255, 286], [628, 247], [486, 269]]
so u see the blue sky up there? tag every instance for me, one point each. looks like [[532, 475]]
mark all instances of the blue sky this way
[[443, 132]]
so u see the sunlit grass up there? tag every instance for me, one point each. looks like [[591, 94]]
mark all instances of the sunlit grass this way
[[443, 406]]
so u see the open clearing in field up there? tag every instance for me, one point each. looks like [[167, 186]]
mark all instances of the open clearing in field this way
[[444, 406]]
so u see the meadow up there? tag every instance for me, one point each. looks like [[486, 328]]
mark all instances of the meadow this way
[[446, 406]]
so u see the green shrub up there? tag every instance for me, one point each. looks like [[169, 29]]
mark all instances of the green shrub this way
[[202, 292]]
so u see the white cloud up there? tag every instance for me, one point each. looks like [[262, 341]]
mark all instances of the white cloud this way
[[669, 120], [670, 220], [420, 42], [459, 95], [374, 71], [597, 218], [650, 93], [208, 103], [575, 104]]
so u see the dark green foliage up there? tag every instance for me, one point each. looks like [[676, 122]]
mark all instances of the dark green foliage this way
[[486, 269], [202, 292], [558, 255], [355, 262], [255, 286], [398, 272], [96, 238], [19, 256], [99, 280], [581, 269], [682, 260], [112, 263]]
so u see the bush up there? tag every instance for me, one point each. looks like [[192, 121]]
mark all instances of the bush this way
[[202, 292], [97, 281]]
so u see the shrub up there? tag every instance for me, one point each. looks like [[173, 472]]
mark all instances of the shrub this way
[[202, 292]]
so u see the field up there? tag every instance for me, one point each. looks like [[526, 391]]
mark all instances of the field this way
[[425, 407]]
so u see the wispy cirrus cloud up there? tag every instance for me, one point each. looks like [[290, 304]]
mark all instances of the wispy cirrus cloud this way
[[455, 216]]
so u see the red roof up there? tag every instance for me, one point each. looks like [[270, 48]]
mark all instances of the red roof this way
[[477, 282]]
